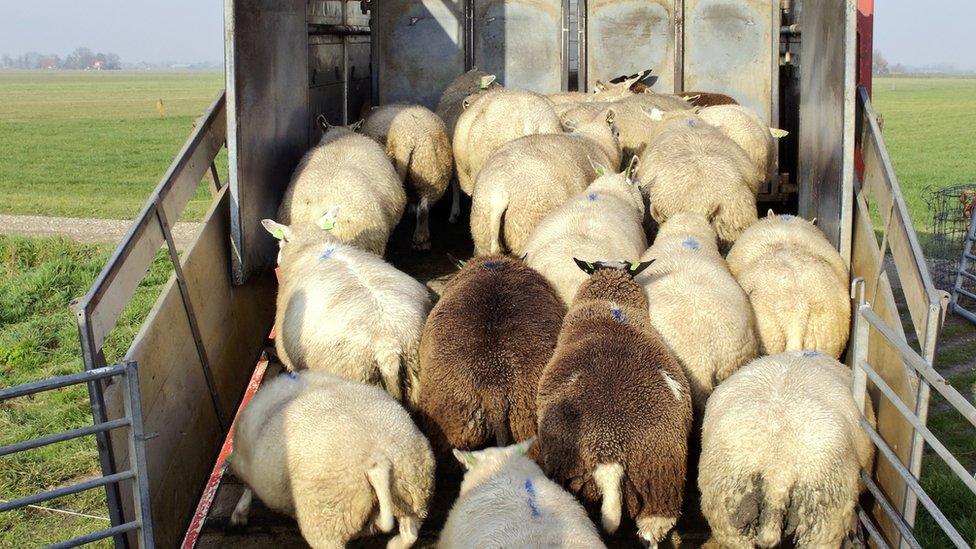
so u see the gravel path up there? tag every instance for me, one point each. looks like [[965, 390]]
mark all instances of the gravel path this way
[[84, 230]]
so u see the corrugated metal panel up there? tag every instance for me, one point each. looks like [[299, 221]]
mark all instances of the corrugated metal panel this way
[[732, 47], [522, 42], [628, 36]]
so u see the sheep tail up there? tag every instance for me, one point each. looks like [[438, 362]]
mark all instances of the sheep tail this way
[[797, 328], [607, 477], [379, 478], [496, 213]]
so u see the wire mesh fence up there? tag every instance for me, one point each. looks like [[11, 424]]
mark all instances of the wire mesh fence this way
[[950, 211]]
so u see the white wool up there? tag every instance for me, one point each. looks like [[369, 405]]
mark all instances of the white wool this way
[[311, 445], [744, 126]]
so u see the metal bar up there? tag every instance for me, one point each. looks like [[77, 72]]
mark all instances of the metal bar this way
[[95, 536], [61, 437], [679, 46], [137, 456], [60, 382], [192, 319], [65, 491], [912, 483], [873, 532], [861, 332], [906, 531], [468, 42], [214, 180], [582, 76], [564, 86], [966, 314], [966, 293], [967, 274], [939, 448], [941, 385], [319, 29]]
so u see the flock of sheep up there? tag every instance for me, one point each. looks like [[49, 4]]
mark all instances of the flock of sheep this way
[[566, 358]]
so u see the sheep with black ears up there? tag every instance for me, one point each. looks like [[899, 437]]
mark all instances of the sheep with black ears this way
[[492, 119], [530, 177], [696, 305], [347, 312], [615, 408], [482, 353], [417, 142], [348, 186], [603, 221], [798, 285], [507, 501], [782, 448], [343, 458]]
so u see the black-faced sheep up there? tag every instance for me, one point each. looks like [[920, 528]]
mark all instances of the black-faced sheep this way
[[343, 458], [615, 409], [347, 312], [482, 353], [507, 501], [782, 448]]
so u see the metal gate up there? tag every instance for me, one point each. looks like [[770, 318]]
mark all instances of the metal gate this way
[[965, 275]]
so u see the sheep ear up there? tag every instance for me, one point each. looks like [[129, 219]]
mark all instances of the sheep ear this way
[[323, 123], [277, 230], [632, 168], [584, 266], [656, 215], [814, 221], [487, 81], [524, 256], [467, 459], [457, 262], [357, 126], [570, 125], [654, 113], [328, 221], [635, 269], [599, 86], [611, 116], [778, 133], [523, 447], [692, 98], [770, 213], [600, 169], [715, 213], [466, 104]]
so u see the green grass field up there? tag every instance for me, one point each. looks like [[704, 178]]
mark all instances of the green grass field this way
[[82, 144], [95, 144]]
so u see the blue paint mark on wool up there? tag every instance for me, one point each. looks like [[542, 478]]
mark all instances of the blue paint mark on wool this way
[[811, 354], [291, 375], [593, 197], [530, 489], [691, 124], [327, 253], [786, 218], [617, 314], [492, 266], [691, 244]]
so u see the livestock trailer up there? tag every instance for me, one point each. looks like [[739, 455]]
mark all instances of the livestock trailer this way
[[802, 65]]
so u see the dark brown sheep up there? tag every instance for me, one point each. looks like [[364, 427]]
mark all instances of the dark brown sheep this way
[[615, 407], [707, 99], [482, 353]]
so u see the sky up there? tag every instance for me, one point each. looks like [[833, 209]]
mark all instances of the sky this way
[[910, 32]]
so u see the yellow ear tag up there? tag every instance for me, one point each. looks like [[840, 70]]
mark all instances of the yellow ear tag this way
[[778, 133], [278, 233], [327, 224]]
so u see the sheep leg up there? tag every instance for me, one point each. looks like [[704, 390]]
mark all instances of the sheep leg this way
[[653, 529], [421, 234], [239, 517], [455, 201], [390, 367], [409, 532]]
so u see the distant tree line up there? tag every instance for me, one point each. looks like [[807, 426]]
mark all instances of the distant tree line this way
[[80, 59]]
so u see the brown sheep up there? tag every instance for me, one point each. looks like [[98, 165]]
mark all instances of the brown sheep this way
[[707, 99], [482, 353], [615, 407]]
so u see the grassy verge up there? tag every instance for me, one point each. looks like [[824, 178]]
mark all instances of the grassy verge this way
[[38, 339]]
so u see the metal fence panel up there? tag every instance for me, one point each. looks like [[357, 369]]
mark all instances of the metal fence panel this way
[[522, 42]]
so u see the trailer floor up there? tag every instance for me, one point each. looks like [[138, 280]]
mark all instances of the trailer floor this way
[[267, 528]]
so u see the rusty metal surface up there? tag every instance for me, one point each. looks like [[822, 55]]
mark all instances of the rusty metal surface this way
[[267, 110], [826, 134], [521, 42], [628, 36], [732, 47], [419, 48]]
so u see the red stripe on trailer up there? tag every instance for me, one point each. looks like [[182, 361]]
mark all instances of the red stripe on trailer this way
[[864, 61], [217, 474]]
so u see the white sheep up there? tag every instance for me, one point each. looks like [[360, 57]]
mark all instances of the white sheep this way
[[494, 119], [605, 221], [756, 138], [798, 285], [532, 176], [782, 448], [417, 142], [347, 312], [451, 103], [347, 184], [507, 501], [696, 305], [343, 458], [602, 91], [693, 167]]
